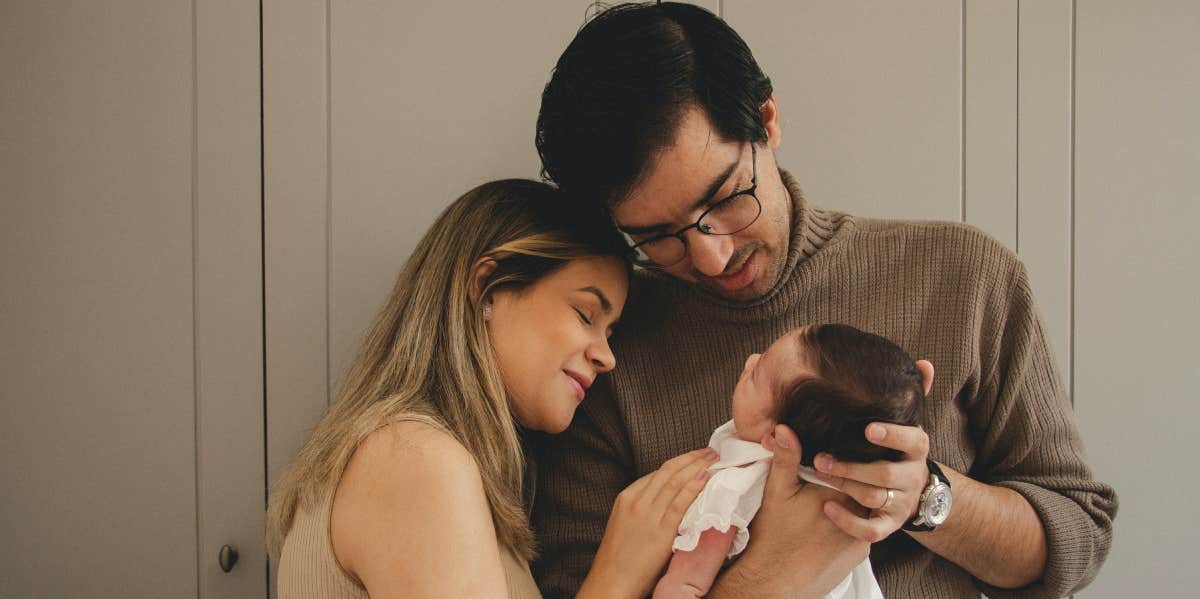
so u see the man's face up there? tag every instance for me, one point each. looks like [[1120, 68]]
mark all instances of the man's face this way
[[684, 179]]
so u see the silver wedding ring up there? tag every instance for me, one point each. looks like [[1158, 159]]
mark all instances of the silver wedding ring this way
[[891, 493]]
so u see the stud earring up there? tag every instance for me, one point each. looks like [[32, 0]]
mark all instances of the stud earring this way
[[487, 311]]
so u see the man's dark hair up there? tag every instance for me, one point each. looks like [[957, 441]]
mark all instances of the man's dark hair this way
[[862, 378], [619, 90]]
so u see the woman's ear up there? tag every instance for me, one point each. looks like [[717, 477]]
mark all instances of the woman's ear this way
[[925, 367], [479, 273], [771, 122]]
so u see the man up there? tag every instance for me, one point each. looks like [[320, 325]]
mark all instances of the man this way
[[661, 114]]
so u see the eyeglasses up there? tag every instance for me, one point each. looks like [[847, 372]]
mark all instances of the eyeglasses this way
[[726, 217]]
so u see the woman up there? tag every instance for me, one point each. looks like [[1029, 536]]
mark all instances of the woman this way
[[413, 483]]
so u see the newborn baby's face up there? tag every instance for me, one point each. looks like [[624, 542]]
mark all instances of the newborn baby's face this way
[[765, 378]]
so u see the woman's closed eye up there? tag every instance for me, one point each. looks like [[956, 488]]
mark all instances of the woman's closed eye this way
[[584, 317]]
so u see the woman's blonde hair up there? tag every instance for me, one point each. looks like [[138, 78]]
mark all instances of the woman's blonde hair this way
[[427, 355]]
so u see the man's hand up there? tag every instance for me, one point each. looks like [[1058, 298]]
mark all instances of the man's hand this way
[[993, 532], [794, 550], [870, 483]]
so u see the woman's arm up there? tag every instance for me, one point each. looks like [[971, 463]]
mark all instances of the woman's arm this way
[[410, 518]]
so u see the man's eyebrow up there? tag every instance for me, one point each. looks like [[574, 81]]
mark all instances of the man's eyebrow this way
[[604, 303], [713, 187]]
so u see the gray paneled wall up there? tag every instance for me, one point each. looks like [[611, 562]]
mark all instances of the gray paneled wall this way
[[989, 113], [96, 321], [131, 433], [1137, 277]]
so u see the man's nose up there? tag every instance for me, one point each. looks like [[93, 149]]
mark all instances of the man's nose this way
[[709, 253]]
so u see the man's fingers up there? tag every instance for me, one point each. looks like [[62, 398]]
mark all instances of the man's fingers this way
[[909, 440], [868, 496], [907, 476], [878, 474], [871, 530]]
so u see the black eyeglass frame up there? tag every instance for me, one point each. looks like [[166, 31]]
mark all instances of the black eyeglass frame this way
[[750, 191]]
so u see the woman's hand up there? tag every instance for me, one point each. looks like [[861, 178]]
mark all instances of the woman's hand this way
[[644, 521]]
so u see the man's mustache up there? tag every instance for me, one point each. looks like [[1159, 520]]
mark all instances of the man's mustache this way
[[736, 261]]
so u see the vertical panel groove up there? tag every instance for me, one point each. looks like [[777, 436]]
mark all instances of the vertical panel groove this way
[[1071, 232], [262, 210], [196, 294], [1071, 243], [962, 113], [1017, 144], [329, 381], [1071, 235]]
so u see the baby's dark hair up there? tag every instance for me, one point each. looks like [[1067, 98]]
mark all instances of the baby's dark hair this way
[[862, 378]]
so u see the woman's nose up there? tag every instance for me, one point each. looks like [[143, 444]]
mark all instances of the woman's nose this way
[[601, 356]]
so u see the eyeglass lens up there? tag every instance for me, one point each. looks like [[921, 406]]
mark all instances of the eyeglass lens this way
[[730, 216]]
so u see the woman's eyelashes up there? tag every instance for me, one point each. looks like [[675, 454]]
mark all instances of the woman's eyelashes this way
[[582, 316]]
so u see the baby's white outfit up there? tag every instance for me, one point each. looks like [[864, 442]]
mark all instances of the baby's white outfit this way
[[733, 495]]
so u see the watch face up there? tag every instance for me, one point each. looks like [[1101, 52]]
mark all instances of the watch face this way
[[938, 507]]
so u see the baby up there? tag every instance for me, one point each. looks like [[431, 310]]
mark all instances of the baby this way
[[826, 382]]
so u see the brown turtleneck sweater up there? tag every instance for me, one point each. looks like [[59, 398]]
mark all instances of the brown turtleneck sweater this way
[[943, 291]]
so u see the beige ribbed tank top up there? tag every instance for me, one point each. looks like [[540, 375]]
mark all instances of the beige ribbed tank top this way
[[308, 568]]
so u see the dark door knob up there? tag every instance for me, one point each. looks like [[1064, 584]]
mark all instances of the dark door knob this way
[[227, 558]]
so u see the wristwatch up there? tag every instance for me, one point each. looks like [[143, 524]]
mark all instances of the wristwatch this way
[[934, 506]]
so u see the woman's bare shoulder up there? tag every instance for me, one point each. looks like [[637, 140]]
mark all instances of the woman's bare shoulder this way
[[411, 500], [416, 447], [412, 463]]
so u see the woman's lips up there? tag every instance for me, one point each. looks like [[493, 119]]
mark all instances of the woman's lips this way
[[578, 383], [743, 277]]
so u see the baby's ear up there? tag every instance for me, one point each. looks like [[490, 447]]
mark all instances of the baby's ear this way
[[925, 367]]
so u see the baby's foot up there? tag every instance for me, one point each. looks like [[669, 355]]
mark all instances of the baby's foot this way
[[673, 588]]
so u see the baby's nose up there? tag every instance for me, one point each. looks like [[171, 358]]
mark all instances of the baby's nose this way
[[751, 360]]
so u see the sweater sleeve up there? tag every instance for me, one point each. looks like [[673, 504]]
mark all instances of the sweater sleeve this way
[[580, 473], [1027, 440]]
